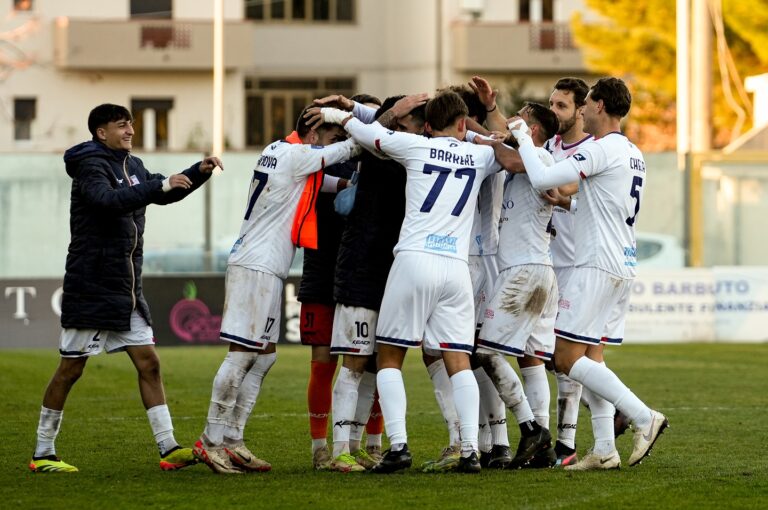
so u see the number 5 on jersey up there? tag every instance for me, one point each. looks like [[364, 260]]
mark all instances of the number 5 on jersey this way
[[637, 183]]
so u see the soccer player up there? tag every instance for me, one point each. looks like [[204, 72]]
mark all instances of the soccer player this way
[[611, 172], [519, 319], [316, 315], [428, 296], [257, 266], [567, 101], [365, 257], [103, 306]]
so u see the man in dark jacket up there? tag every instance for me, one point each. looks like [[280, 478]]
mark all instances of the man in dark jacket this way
[[103, 307]]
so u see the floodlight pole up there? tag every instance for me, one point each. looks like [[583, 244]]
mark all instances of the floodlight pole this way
[[217, 146]]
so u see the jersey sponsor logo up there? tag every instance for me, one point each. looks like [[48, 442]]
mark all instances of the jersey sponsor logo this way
[[630, 253], [579, 157], [267, 162], [437, 242]]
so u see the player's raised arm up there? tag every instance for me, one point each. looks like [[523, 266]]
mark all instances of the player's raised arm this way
[[542, 177], [309, 158]]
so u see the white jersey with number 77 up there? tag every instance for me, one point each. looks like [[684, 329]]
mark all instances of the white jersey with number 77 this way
[[444, 175]]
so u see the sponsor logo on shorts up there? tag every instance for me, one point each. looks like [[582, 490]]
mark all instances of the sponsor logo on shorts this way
[[564, 304], [437, 242], [488, 313], [361, 342]]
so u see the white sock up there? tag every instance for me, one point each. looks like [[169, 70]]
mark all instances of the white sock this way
[[47, 430], [345, 395], [226, 386], [393, 404], [602, 423], [466, 396], [365, 394], [247, 396], [568, 397], [162, 428], [493, 407], [604, 383], [537, 391], [508, 385], [444, 396]]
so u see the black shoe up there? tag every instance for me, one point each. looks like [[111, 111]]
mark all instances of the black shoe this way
[[543, 459], [529, 446], [469, 464], [500, 457], [620, 423], [393, 461], [485, 459]]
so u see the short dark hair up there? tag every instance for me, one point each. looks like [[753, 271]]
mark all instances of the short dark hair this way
[[443, 110], [614, 94], [418, 113], [302, 128], [577, 86], [366, 98], [106, 113], [474, 105], [544, 117]]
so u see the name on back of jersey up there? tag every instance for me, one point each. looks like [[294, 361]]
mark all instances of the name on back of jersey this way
[[267, 162], [450, 157]]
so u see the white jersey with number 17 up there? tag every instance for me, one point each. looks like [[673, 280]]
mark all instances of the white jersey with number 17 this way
[[264, 243], [443, 178]]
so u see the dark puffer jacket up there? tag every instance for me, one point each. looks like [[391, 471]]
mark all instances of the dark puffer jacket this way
[[110, 191], [320, 264], [372, 230]]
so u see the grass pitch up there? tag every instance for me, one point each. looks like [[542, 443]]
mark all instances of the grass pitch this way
[[713, 394]]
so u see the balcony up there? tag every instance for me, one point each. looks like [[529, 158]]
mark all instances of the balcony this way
[[147, 45], [515, 47]]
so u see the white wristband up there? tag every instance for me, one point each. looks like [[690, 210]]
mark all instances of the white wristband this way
[[334, 115], [166, 185]]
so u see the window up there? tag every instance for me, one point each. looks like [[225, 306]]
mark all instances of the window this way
[[273, 105], [22, 5], [152, 9], [524, 13], [300, 10], [150, 123], [547, 10], [23, 115]]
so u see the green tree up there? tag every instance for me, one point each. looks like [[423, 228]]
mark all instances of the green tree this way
[[636, 39]]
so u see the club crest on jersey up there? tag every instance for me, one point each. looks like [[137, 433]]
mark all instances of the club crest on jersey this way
[[437, 242], [579, 157]]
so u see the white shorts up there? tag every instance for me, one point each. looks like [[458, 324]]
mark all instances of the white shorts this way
[[252, 307], [593, 307], [76, 343], [354, 330], [520, 319], [483, 271], [563, 274], [427, 299]]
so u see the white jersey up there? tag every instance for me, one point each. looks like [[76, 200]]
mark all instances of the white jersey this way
[[524, 224], [562, 246], [279, 178], [612, 173], [443, 178], [485, 224]]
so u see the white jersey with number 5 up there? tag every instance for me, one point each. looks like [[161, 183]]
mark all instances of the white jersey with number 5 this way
[[264, 243], [612, 172], [444, 176]]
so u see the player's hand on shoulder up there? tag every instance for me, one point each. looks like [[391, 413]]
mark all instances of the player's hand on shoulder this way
[[209, 163], [554, 197]]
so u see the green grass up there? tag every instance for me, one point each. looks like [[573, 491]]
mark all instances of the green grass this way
[[711, 456]]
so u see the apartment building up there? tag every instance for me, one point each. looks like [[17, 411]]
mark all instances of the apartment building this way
[[62, 57]]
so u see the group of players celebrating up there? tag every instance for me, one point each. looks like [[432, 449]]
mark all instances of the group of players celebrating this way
[[466, 239], [465, 233]]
